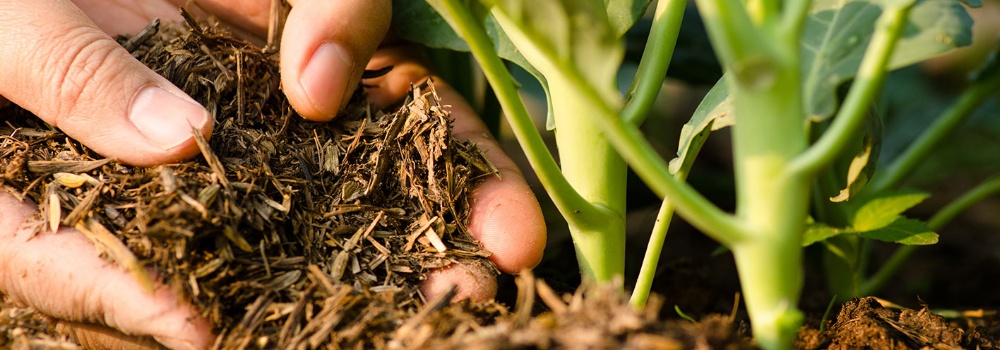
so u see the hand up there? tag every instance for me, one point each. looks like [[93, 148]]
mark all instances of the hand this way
[[505, 218], [58, 61]]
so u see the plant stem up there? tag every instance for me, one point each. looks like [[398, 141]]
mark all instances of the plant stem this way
[[589, 188], [565, 198], [869, 81], [770, 132], [602, 106], [644, 282], [944, 216], [914, 154], [598, 174], [794, 17], [737, 42], [773, 204], [762, 11], [655, 60], [654, 171]]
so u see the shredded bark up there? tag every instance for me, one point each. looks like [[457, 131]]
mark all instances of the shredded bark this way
[[284, 232]]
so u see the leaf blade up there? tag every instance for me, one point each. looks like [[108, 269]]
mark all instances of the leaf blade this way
[[904, 231], [882, 211], [837, 33]]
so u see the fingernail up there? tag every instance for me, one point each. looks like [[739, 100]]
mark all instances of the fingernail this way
[[325, 77], [164, 118]]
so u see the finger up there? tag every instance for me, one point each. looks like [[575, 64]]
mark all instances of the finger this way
[[117, 17], [249, 15], [57, 64], [506, 217], [324, 48], [61, 275], [475, 282]]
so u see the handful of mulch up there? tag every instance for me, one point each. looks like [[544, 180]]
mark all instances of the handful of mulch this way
[[284, 232]]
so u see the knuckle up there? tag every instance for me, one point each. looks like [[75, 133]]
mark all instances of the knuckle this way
[[77, 68]]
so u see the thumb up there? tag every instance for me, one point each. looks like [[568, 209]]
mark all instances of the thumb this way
[[56, 63]]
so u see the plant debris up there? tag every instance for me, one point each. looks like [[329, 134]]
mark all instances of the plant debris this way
[[284, 232], [866, 324]]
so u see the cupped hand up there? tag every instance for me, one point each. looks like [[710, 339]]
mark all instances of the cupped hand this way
[[506, 217], [58, 61]]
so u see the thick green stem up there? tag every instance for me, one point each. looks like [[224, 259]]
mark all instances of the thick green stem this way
[[655, 60], [841, 264], [771, 276], [653, 170], [944, 216], [772, 202], [598, 174], [628, 140], [566, 199], [905, 163]]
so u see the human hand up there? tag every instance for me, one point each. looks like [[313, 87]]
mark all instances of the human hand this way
[[506, 217], [58, 64]]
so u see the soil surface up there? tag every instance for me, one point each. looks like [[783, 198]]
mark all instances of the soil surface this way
[[292, 234]]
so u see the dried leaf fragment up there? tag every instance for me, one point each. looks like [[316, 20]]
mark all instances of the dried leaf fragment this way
[[106, 242]]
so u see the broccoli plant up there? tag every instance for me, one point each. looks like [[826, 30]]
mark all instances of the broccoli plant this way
[[787, 64]]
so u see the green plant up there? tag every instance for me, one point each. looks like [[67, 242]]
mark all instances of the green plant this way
[[785, 62]]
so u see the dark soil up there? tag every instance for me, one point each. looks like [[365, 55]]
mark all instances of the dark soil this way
[[292, 234], [866, 324]]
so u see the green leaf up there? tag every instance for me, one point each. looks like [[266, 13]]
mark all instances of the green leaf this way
[[834, 42], [418, 22], [838, 31], [904, 231], [624, 13], [557, 36], [715, 112], [884, 210], [818, 232]]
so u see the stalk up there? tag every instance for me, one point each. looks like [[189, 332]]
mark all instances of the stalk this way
[[644, 282], [598, 174], [655, 60], [771, 200], [589, 189], [564, 196], [639, 100], [629, 142], [773, 204]]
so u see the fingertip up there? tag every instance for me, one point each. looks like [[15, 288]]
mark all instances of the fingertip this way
[[324, 47], [475, 282], [507, 220], [167, 119]]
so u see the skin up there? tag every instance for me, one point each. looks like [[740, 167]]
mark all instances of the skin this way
[[57, 60]]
